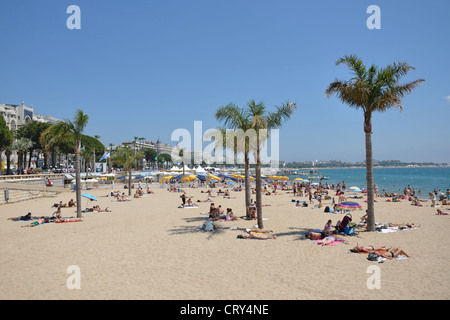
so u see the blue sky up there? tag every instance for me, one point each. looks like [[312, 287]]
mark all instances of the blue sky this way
[[145, 68]]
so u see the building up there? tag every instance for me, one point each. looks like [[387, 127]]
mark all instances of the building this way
[[157, 146], [19, 115]]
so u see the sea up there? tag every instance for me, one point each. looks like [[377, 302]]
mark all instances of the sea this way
[[425, 179]]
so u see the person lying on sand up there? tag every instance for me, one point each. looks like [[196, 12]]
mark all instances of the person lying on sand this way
[[316, 235], [367, 249], [327, 240], [382, 251], [97, 208], [256, 233], [22, 218], [408, 225], [35, 223], [440, 213]]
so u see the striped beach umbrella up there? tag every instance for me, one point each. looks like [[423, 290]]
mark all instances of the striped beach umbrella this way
[[349, 205]]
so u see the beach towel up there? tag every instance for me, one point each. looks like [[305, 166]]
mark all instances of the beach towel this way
[[67, 221], [332, 243]]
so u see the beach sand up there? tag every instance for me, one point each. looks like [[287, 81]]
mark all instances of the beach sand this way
[[148, 248]]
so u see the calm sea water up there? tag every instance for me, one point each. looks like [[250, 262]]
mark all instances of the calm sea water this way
[[392, 179]]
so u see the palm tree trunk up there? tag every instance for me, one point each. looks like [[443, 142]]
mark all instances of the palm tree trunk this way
[[8, 162], [78, 179], [248, 189], [129, 180], [258, 184], [369, 175]]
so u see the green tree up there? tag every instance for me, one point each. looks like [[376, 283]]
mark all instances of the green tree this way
[[253, 116], [261, 119], [69, 131], [126, 157], [235, 118], [6, 139], [372, 89], [22, 145], [33, 130]]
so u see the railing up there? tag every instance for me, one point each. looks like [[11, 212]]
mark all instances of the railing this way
[[18, 177]]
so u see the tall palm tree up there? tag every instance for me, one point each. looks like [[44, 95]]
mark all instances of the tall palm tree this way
[[261, 119], [234, 117], [372, 89], [254, 116], [126, 157], [63, 132]]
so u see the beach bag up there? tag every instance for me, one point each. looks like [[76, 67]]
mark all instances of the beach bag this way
[[349, 231], [372, 256]]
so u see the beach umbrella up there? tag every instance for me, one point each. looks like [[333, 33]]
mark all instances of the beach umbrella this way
[[354, 188], [89, 196], [348, 205], [298, 179], [213, 177], [314, 184]]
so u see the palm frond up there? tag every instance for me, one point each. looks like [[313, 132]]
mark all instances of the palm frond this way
[[355, 64]]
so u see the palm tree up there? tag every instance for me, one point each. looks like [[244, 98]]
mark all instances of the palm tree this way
[[372, 89], [63, 132], [235, 118], [126, 157], [21, 146], [261, 119], [254, 116]]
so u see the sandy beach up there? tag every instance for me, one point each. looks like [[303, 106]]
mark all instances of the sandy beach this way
[[148, 248]]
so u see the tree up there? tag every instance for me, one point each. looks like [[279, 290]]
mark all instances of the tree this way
[[6, 139], [69, 131], [253, 116], [124, 156], [33, 130], [261, 119], [372, 89], [21, 146]]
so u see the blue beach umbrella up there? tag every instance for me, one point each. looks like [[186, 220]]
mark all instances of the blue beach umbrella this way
[[89, 196]]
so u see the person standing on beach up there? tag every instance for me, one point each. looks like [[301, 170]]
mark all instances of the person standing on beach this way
[[433, 199], [343, 185]]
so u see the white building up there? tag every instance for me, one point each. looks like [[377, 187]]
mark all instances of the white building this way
[[18, 115]]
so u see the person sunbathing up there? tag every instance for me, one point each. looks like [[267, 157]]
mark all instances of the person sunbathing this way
[[393, 253], [315, 235], [97, 208], [407, 225], [367, 249], [149, 191], [440, 213], [22, 218], [252, 212], [190, 203], [71, 203], [256, 233], [35, 223], [230, 216], [326, 240]]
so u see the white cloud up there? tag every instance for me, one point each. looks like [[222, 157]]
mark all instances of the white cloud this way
[[447, 98]]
